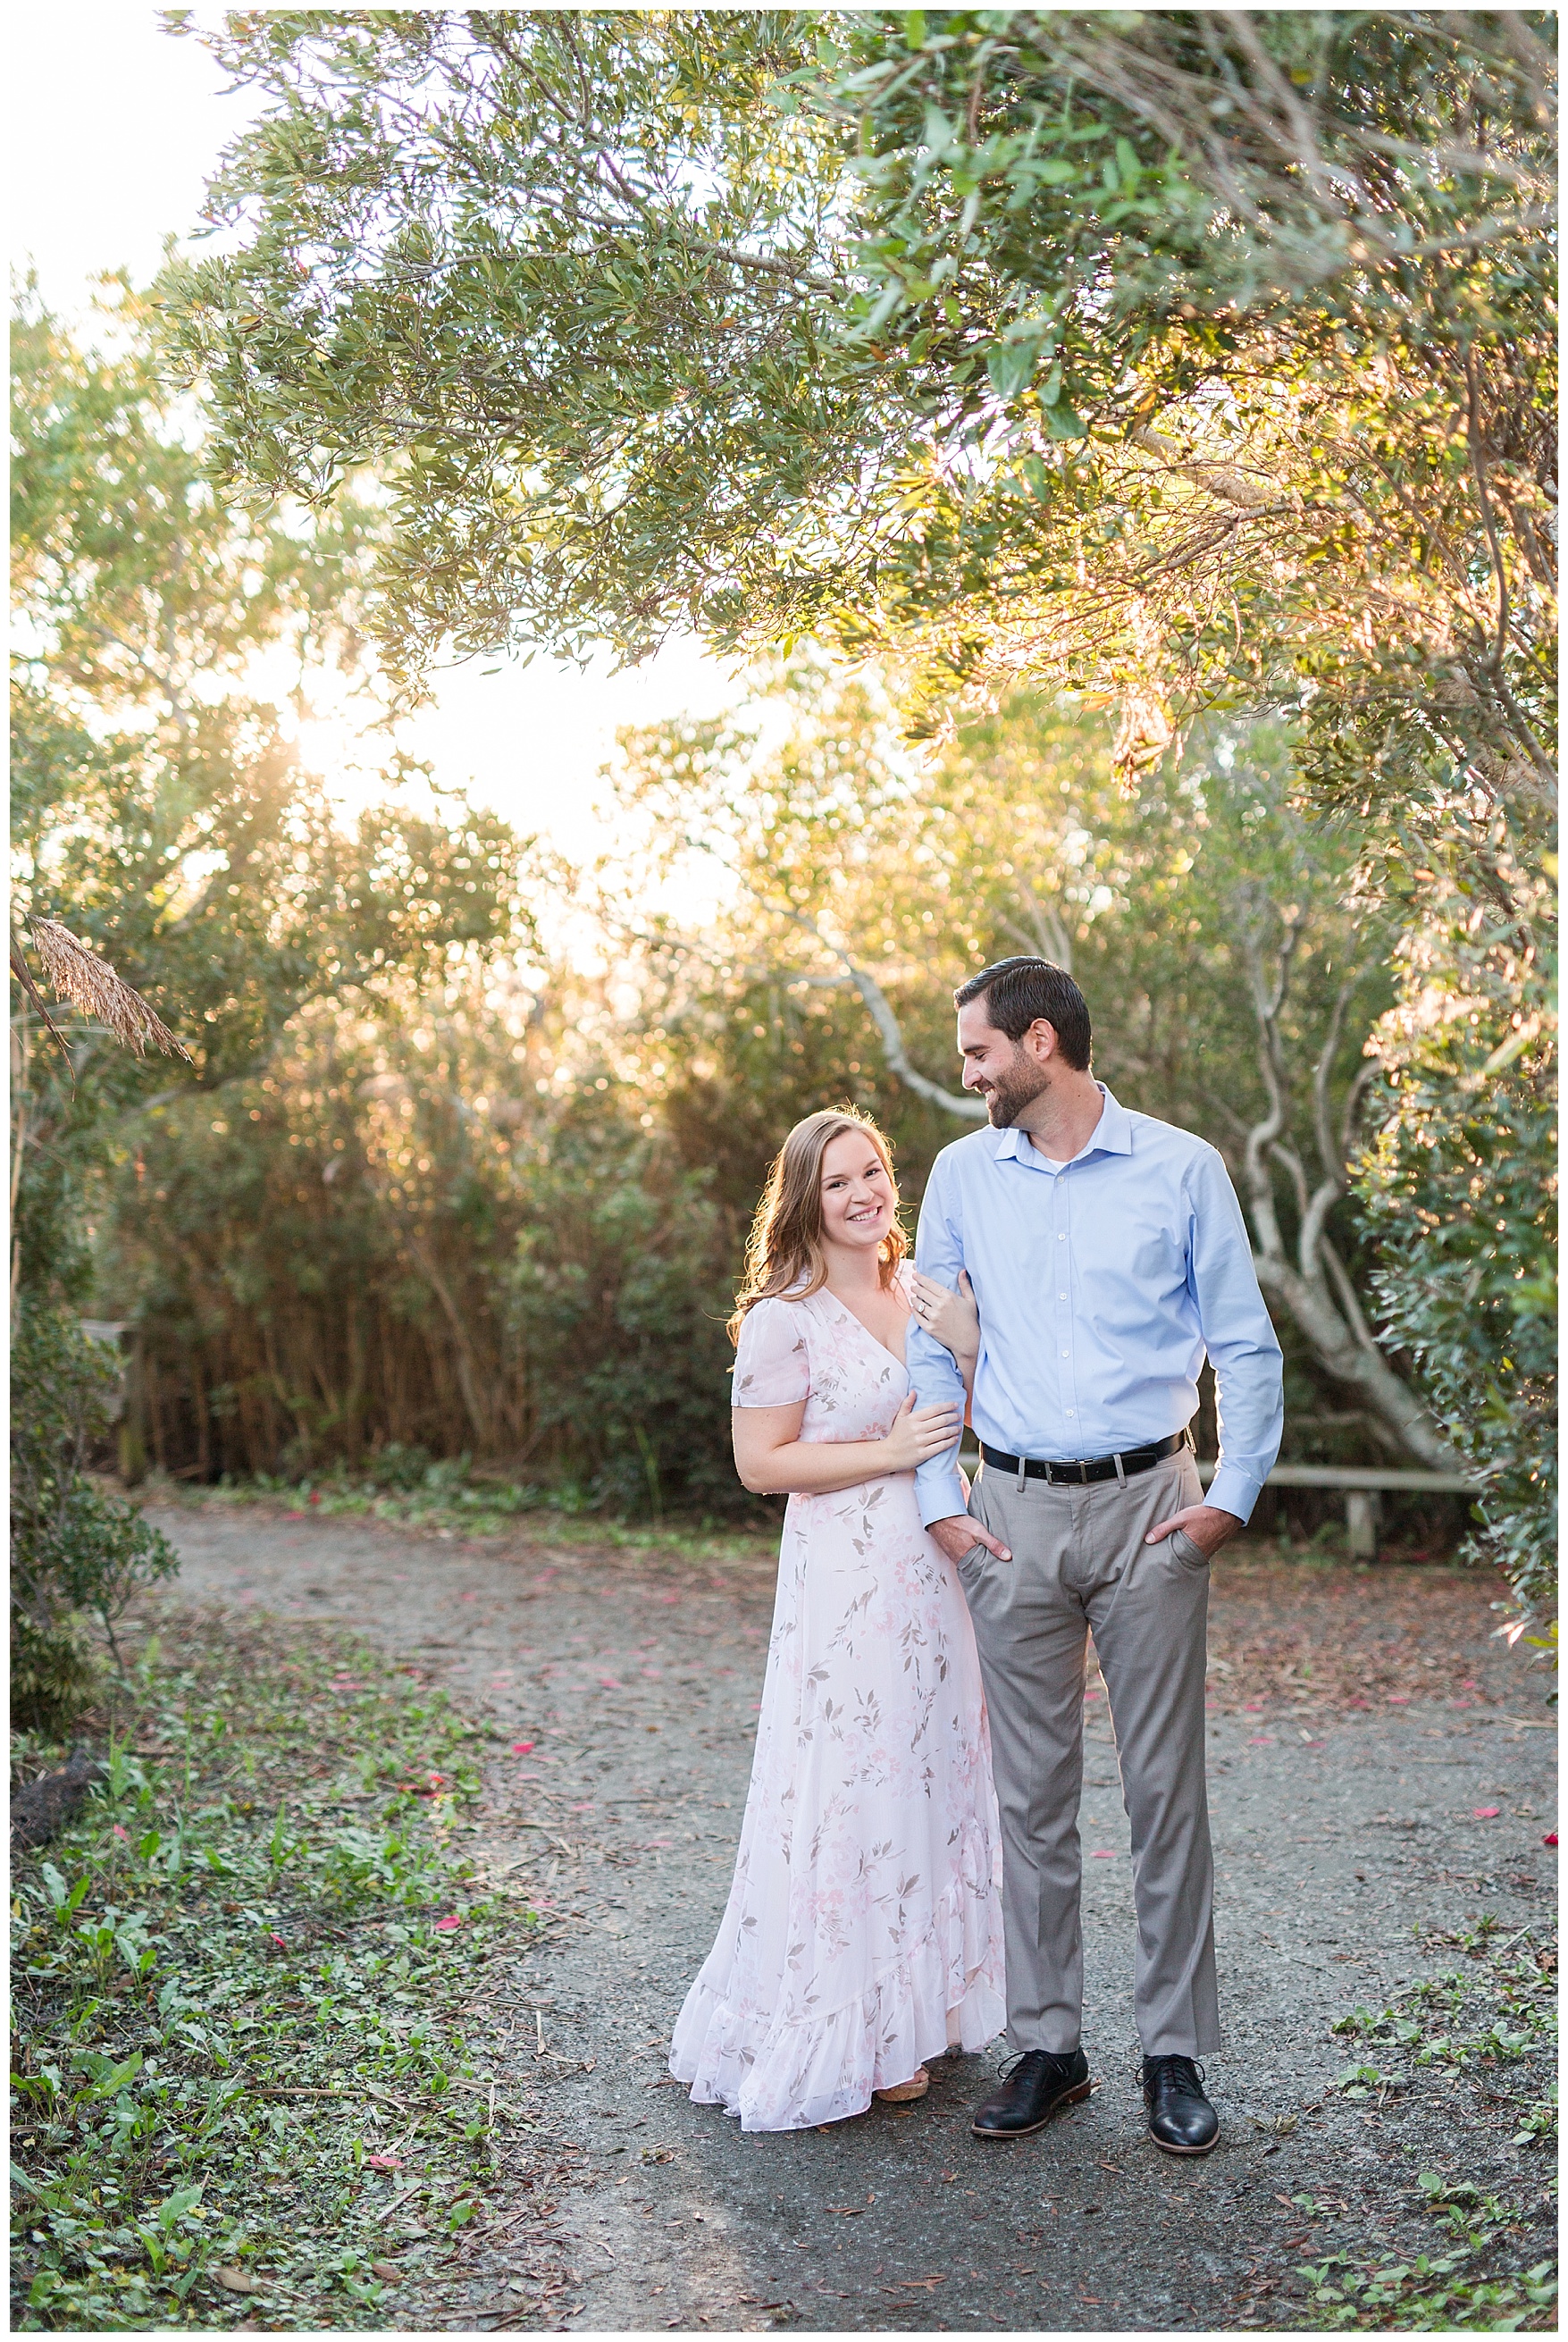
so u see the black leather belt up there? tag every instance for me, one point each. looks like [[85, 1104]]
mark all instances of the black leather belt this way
[[1100, 1468]]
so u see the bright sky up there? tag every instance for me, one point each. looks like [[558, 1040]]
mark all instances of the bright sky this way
[[113, 128]]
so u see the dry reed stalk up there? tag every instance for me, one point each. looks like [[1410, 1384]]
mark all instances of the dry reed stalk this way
[[91, 985]]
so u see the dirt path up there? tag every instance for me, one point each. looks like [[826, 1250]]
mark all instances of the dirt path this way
[[1360, 1720]]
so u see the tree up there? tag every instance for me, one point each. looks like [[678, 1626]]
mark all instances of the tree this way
[[1199, 361], [169, 852], [1190, 357], [1234, 973]]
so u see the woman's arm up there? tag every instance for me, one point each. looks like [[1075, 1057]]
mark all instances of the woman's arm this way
[[773, 1460]]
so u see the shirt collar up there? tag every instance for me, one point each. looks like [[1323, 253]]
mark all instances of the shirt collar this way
[[1113, 1134]]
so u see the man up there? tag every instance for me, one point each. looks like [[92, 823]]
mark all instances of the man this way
[[1107, 1253]]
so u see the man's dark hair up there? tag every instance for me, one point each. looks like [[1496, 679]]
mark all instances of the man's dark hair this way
[[1017, 991]]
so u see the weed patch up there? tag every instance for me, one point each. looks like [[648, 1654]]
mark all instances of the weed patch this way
[[1486, 2028], [240, 1987]]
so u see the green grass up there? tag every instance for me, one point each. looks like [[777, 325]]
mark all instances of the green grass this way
[[446, 1500], [238, 1977], [1488, 2025]]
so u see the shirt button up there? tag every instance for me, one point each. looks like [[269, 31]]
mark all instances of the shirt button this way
[[1072, 1410], [1061, 1297], [1062, 1239], [1063, 1354]]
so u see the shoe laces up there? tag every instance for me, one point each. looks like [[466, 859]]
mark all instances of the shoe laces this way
[[1011, 2066], [1184, 2073]]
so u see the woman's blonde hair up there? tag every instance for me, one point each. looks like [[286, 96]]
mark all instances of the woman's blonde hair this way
[[785, 1251]]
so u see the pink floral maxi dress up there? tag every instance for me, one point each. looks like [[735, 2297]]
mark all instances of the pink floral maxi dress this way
[[864, 1929]]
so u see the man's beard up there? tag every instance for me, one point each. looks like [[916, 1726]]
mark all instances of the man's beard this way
[[1018, 1087]]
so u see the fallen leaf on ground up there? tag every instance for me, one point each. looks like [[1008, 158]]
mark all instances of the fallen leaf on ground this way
[[385, 2162], [387, 2271], [445, 1926], [234, 2280]]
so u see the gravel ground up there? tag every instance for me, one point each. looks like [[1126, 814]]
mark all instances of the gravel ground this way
[[1360, 1717]]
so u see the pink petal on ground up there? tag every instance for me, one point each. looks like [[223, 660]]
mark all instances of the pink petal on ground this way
[[1103, 1854], [468, 1598], [385, 2162], [522, 1749], [445, 1926], [1487, 1813], [277, 1940], [581, 1809], [610, 1684], [294, 1517], [1399, 1699], [1550, 1839], [1262, 1740]]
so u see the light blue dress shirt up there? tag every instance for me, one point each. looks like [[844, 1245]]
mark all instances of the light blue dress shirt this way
[[1101, 1285]]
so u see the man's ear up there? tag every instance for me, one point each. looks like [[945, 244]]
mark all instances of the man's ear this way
[[1040, 1040]]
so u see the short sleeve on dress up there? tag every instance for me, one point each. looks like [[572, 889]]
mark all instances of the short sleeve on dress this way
[[771, 1364]]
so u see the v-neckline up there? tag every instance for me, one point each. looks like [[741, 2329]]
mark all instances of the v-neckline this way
[[865, 1329]]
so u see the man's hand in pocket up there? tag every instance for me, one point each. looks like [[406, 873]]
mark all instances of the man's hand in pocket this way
[[960, 1534], [1208, 1526]]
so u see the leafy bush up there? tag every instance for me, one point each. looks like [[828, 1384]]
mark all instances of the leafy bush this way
[[620, 1296], [1461, 1190], [74, 1547]]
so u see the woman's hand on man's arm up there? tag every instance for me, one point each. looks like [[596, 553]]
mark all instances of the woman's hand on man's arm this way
[[952, 1318], [772, 1460]]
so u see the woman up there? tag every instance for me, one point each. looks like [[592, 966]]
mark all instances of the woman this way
[[864, 1928]]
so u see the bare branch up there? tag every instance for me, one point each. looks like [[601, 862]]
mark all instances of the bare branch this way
[[972, 1110], [1267, 1002], [1348, 1298], [1331, 1156], [1052, 939]]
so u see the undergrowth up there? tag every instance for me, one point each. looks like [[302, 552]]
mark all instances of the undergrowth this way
[[239, 1979], [447, 1499], [1486, 2027]]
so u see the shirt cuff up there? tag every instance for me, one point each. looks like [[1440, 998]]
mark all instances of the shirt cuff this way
[[940, 1497], [1233, 1491]]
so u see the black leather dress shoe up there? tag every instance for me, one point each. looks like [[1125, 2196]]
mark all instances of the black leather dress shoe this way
[[1033, 2086], [1181, 2118]]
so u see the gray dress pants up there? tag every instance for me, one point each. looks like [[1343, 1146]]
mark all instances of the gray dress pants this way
[[1079, 1565]]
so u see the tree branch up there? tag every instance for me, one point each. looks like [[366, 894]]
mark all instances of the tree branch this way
[[971, 1108]]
